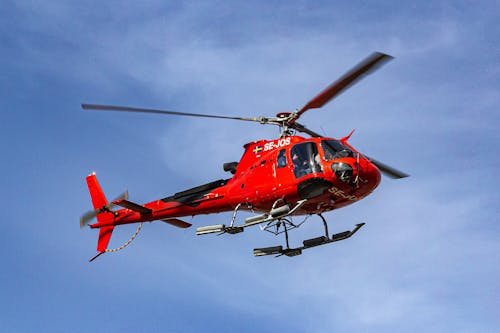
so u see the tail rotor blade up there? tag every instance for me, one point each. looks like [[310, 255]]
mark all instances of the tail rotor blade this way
[[124, 195], [87, 217]]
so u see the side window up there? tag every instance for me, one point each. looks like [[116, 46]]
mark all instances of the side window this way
[[281, 160]]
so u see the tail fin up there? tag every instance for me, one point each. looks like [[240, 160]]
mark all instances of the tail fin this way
[[96, 194], [99, 201]]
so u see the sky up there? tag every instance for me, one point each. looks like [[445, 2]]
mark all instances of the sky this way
[[427, 258]]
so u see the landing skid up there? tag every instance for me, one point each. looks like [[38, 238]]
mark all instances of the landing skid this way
[[307, 244], [278, 221]]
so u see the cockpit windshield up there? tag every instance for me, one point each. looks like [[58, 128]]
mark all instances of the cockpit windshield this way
[[305, 159], [334, 149]]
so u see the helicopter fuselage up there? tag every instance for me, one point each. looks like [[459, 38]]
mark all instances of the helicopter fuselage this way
[[329, 173]]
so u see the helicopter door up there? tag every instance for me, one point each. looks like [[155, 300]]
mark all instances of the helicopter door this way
[[282, 170], [305, 159]]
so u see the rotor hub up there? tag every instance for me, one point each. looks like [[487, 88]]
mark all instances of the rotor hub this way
[[283, 115]]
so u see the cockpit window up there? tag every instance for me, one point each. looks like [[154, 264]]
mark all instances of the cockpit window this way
[[305, 159], [333, 149], [281, 160]]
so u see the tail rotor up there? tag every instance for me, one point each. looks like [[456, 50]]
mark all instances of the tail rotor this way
[[91, 214]]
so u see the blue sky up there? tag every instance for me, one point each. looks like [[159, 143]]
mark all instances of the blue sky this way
[[427, 259]]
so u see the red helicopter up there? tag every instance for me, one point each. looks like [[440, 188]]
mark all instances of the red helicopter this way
[[274, 179]]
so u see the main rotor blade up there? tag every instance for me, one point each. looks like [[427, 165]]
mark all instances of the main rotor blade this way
[[364, 68], [132, 109], [301, 128], [124, 195], [388, 170]]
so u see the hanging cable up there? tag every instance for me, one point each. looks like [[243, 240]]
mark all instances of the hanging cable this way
[[128, 242]]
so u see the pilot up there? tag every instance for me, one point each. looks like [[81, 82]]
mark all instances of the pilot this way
[[329, 155], [301, 167]]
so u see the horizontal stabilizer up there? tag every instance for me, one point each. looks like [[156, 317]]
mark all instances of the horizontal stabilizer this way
[[177, 223], [132, 206]]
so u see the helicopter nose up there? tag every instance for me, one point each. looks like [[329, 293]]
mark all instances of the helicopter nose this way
[[352, 171], [370, 173], [343, 171]]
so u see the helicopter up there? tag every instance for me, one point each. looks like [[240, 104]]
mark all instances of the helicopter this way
[[275, 180]]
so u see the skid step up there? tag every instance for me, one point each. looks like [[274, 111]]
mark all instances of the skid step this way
[[266, 251], [315, 241], [292, 252], [277, 251], [233, 230]]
